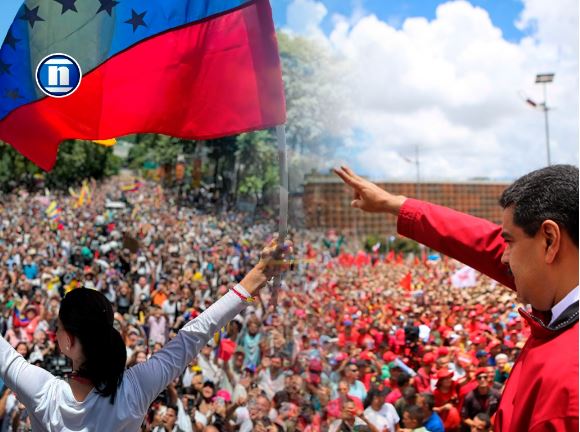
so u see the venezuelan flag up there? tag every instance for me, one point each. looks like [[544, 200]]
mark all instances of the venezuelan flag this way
[[195, 69], [131, 187], [53, 211]]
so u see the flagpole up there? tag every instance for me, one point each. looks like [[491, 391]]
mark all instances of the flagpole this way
[[283, 215]]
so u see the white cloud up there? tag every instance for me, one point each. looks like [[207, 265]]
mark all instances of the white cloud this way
[[554, 23], [304, 17], [454, 84]]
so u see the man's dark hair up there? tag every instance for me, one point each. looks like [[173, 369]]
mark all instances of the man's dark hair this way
[[429, 400], [173, 407], [403, 380], [409, 393], [415, 413], [547, 193], [484, 418]]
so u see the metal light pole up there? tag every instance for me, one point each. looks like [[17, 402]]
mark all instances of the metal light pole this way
[[544, 79], [417, 162], [418, 166]]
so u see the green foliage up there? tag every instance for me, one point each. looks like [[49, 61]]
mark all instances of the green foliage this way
[[76, 161], [138, 155], [405, 245], [13, 167], [400, 244], [257, 164], [158, 148], [372, 240], [316, 88], [222, 152]]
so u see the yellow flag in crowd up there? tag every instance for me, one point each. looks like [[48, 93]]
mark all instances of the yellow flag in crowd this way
[[84, 196]]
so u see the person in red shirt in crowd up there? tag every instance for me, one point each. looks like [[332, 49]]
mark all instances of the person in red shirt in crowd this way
[[479, 342], [446, 398], [369, 368], [493, 348], [334, 407], [348, 335], [535, 251], [422, 381], [397, 341], [403, 381]]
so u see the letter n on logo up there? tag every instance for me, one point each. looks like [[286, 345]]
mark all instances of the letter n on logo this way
[[58, 76]]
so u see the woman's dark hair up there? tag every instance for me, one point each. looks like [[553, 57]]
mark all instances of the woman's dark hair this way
[[373, 393], [25, 346], [88, 315], [279, 397], [547, 193]]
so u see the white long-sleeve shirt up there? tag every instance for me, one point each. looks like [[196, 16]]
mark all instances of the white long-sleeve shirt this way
[[52, 406]]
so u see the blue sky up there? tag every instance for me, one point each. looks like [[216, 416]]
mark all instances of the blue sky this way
[[8, 9], [503, 13]]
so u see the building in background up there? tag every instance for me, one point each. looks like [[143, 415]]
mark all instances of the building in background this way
[[326, 202]]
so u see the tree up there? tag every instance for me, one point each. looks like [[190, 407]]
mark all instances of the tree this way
[[257, 164], [222, 152], [76, 160], [316, 91]]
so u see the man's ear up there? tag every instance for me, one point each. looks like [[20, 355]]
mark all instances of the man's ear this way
[[551, 236]]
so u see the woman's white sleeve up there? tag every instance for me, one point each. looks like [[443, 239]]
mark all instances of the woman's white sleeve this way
[[152, 377], [21, 377]]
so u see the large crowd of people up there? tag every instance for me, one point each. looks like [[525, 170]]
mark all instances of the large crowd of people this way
[[384, 343]]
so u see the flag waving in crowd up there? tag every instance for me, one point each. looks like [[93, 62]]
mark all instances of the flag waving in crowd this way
[[53, 211], [95, 62], [84, 196]]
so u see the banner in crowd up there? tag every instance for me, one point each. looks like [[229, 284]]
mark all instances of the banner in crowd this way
[[194, 69], [464, 277]]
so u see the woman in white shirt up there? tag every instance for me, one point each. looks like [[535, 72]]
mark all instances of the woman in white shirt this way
[[101, 395], [380, 414]]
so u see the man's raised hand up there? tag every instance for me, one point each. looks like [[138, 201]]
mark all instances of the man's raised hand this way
[[368, 196]]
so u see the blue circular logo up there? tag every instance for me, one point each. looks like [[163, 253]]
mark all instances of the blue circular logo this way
[[58, 75]]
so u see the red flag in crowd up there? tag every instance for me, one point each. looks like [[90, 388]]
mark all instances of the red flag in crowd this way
[[399, 258], [362, 259], [406, 282], [345, 260]]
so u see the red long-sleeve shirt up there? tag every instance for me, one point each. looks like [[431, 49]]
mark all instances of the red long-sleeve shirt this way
[[541, 393]]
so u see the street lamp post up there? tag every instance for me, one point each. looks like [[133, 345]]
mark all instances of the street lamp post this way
[[544, 79], [417, 162], [418, 166]]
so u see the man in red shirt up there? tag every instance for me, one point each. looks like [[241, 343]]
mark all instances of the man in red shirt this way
[[535, 251], [422, 380]]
